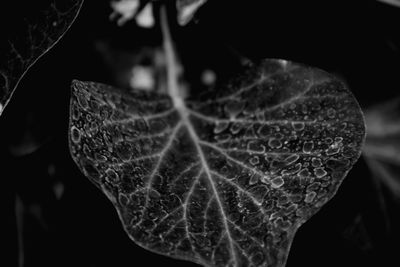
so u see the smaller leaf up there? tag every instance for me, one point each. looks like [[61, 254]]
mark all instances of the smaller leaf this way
[[125, 10], [382, 147], [22, 47], [187, 9], [395, 3]]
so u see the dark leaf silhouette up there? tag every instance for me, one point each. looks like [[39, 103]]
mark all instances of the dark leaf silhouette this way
[[36, 34], [222, 178]]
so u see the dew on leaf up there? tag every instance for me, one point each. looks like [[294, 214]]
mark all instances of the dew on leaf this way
[[111, 176], [331, 113], [308, 146], [304, 173], [316, 162], [298, 126], [274, 143], [333, 149], [338, 139], [225, 170], [277, 182], [265, 130], [220, 126], [234, 107], [254, 160], [222, 137], [75, 135], [310, 197], [236, 127], [320, 172], [291, 159]]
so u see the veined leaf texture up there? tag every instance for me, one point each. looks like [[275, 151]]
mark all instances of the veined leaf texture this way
[[222, 178]]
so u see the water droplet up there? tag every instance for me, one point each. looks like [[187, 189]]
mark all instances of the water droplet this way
[[274, 143], [291, 159], [277, 182], [255, 146], [234, 107], [250, 132], [292, 170], [310, 196], [308, 146], [254, 160], [316, 162], [222, 137], [236, 127], [320, 172], [333, 149], [353, 144], [304, 173], [338, 139], [75, 135], [331, 113], [264, 130], [111, 176], [254, 179], [220, 126], [298, 126]]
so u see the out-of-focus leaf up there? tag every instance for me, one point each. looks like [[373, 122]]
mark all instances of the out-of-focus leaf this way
[[382, 147], [223, 177], [142, 68], [391, 2], [186, 9], [126, 10], [38, 32]]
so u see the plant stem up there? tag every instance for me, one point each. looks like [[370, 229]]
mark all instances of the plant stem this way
[[172, 65]]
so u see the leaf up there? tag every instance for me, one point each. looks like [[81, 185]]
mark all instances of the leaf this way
[[395, 3], [28, 41], [382, 147], [223, 178], [186, 10]]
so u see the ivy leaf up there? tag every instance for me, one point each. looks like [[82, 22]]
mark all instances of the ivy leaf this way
[[222, 178], [31, 38]]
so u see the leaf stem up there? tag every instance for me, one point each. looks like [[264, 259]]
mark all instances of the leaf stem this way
[[172, 65]]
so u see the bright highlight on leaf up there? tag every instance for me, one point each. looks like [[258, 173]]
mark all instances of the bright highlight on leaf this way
[[223, 178]]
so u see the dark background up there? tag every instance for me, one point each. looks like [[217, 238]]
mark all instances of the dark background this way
[[359, 41]]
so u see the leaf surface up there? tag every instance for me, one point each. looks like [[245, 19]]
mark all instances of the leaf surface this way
[[222, 178], [32, 37]]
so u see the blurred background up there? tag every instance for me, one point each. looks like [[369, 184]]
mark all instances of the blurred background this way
[[56, 217]]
